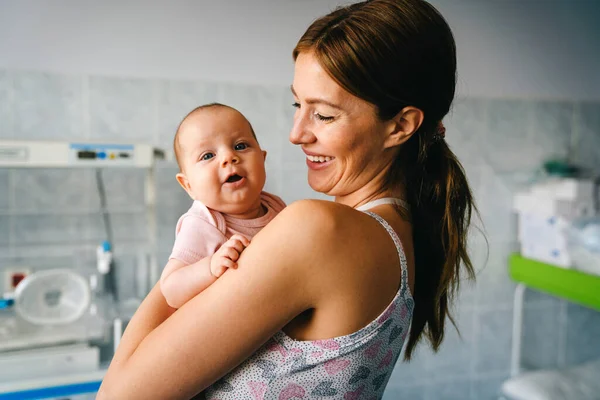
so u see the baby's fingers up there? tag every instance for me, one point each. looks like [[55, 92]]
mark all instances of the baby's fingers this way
[[242, 239], [223, 265], [230, 252], [235, 245]]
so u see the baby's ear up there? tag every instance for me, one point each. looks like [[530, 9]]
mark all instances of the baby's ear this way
[[264, 152], [185, 183]]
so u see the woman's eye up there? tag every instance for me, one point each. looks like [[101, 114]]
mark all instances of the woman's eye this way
[[296, 105], [322, 117], [241, 146], [207, 156]]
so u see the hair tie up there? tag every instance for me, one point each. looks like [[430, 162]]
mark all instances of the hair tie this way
[[440, 132]]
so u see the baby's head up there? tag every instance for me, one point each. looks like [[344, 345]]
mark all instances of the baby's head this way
[[220, 161]]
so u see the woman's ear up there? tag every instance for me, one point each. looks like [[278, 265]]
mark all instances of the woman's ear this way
[[403, 125], [185, 183]]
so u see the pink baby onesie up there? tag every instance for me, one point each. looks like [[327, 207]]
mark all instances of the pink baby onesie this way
[[201, 231]]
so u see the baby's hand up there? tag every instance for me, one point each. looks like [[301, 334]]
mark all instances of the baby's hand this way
[[227, 255]]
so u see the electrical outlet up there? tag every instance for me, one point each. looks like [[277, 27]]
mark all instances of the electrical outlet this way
[[12, 277]]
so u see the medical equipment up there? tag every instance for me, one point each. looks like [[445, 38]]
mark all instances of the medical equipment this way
[[52, 322], [53, 297]]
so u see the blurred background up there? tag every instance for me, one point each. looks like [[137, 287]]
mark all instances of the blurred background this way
[[126, 72]]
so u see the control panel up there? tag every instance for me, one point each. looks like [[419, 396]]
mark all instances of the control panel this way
[[50, 154], [101, 154]]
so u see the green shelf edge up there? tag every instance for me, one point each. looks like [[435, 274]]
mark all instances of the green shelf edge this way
[[572, 285]]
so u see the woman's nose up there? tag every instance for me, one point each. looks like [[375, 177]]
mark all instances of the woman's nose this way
[[300, 133]]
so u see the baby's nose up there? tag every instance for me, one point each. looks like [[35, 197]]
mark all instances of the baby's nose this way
[[230, 157]]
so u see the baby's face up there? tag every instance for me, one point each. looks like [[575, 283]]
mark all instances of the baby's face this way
[[222, 164]]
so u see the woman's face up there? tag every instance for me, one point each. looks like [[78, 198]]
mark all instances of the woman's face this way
[[341, 135]]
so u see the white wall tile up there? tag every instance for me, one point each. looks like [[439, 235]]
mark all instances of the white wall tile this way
[[466, 127], [494, 286], [4, 189], [587, 125], [405, 392], [59, 229], [493, 340], [47, 106], [122, 109], [541, 336], [487, 388], [6, 128], [583, 331], [127, 227], [507, 143], [456, 389], [4, 230], [125, 188], [552, 130], [42, 189], [495, 197]]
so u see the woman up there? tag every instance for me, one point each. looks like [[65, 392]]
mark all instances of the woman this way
[[323, 298]]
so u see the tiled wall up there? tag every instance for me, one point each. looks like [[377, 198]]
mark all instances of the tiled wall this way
[[501, 142]]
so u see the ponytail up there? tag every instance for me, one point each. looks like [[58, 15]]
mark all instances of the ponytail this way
[[441, 205]]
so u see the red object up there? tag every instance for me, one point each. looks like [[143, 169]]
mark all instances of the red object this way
[[16, 278]]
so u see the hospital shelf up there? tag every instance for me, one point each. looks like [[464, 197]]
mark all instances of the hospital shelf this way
[[569, 284]]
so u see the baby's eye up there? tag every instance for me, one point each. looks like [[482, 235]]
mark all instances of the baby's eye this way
[[296, 104], [241, 146], [207, 156]]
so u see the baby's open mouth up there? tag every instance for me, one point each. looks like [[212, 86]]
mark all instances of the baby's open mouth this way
[[234, 178]]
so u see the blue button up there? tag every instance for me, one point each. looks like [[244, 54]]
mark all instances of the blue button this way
[[101, 155], [106, 245]]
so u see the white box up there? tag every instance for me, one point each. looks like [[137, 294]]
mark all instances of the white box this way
[[572, 189], [545, 212], [544, 238], [548, 206]]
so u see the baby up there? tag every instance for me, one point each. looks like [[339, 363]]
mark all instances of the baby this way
[[222, 168]]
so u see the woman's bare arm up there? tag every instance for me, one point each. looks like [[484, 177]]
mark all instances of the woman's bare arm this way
[[180, 282], [222, 326]]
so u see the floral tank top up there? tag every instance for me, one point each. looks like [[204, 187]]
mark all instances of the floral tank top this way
[[351, 367]]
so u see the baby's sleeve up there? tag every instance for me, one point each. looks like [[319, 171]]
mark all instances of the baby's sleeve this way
[[196, 239]]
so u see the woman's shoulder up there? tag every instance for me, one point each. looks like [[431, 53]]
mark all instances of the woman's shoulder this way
[[314, 210], [318, 224], [318, 218]]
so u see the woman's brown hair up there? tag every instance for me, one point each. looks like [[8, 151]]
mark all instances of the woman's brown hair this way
[[394, 54]]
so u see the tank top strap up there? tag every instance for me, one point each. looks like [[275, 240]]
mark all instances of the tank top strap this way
[[385, 200], [401, 255]]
